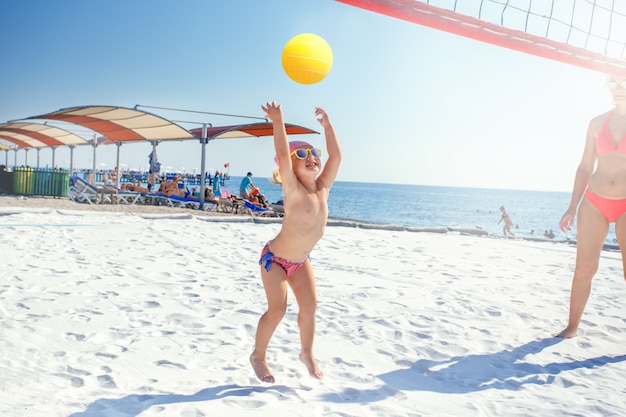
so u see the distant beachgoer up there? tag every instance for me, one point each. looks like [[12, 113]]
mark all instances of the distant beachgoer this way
[[603, 195], [175, 188], [153, 172], [285, 259], [135, 186], [246, 183], [263, 200], [209, 196], [507, 222], [254, 200], [106, 178], [217, 187], [549, 234], [153, 178]]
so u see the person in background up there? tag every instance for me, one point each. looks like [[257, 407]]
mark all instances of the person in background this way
[[254, 199], [170, 188], [263, 200], [135, 186], [153, 178], [507, 222], [106, 178], [246, 183], [285, 259], [599, 195], [217, 187], [209, 196]]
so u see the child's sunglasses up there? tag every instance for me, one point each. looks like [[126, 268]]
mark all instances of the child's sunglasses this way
[[303, 153], [612, 84]]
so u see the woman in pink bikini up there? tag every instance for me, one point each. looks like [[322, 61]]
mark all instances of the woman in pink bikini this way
[[603, 195], [285, 259]]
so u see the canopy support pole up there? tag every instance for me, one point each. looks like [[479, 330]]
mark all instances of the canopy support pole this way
[[38, 152], [117, 166], [26, 156], [153, 159], [54, 148], [93, 168], [203, 140], [71, 159]]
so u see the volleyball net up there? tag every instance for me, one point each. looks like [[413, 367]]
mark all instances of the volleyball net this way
[[587, 33]]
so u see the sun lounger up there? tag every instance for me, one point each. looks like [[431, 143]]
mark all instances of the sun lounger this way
[[255, 210], [225, 205], [82, 191], [279, 209], [126, 196], [176, 201]]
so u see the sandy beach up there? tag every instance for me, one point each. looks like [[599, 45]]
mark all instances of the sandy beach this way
[[123, 311]]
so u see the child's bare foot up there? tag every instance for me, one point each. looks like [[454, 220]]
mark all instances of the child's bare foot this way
[[261, 369], [566, 334], [311, 365]]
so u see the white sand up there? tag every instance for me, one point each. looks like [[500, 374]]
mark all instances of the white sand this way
[[121, 314]]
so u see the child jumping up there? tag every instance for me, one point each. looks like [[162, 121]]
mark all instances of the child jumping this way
[[284, 259]]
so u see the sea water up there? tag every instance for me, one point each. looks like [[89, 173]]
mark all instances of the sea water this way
[[532, 212]]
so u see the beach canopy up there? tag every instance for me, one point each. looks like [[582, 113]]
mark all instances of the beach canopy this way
[[36, 135], [249, 130], [120, 124], [123, 125]]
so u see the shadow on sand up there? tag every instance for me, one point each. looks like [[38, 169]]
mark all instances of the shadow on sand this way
[[133, 405], [464, 374]]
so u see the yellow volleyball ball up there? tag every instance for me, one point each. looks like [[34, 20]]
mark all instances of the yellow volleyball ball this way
[[307, 58]]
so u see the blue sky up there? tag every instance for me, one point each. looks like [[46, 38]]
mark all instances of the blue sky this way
[[410, 104]]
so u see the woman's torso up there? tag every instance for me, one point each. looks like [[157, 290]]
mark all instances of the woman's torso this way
[[609, 178]]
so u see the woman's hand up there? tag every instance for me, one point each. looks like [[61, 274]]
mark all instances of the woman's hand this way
[[567, 221]]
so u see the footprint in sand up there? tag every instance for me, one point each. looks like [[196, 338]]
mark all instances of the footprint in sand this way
[[106, 355], [75, 371], [75, 381], [105, 381], [75, 336], [151, 304], [191, 412], [168, 364]]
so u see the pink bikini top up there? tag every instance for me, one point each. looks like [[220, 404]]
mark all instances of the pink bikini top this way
[[604, 141]]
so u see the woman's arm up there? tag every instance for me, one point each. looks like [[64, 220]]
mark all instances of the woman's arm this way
[[583, 175]]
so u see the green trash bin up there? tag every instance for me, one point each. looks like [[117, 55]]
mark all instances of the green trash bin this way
[[40, 181], [60, 183], [18, 181]]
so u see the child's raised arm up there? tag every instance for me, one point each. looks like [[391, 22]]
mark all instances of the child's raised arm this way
[[274, 112], [331, 168]]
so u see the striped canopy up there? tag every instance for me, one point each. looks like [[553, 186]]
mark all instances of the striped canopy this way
[[121, 124], [36, 135], [249, 130]]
